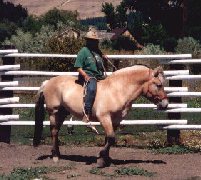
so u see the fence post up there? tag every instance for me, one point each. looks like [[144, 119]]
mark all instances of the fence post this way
[[5, 131], [173, 136]]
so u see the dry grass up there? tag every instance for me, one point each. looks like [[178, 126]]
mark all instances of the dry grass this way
[[86, 9]]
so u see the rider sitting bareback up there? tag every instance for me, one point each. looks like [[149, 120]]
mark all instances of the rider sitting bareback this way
[[89, 64]]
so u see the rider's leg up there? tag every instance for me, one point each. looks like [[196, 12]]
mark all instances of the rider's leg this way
[[90, 96]]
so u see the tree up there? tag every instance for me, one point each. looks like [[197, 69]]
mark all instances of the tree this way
[[10, 12], [32, 24], [54, 16], [11, 17], [110, 14]]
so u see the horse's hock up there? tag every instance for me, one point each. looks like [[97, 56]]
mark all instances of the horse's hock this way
[[175, 91]]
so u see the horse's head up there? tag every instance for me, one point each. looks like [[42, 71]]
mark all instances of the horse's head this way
[[154, 88]]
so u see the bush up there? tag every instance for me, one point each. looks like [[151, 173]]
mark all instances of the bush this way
[[195, 32], [152, 49], [63, 45], [192, 46], [54, 16], [170, 44], [123, 43], [188, 45], [154, 33], [26, 42], [7, 29]]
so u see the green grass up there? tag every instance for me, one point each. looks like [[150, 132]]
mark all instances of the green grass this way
[[123, 171], [133, 171], [32, 173], [176, 149]]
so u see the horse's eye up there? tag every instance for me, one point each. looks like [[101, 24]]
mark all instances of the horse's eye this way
[[159, 85]]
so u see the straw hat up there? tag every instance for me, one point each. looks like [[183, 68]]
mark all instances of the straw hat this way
[[92, 34]]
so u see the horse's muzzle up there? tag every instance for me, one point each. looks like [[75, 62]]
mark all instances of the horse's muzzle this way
[[162, 105]]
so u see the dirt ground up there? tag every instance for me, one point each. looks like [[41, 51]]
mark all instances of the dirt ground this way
[[83, 159]]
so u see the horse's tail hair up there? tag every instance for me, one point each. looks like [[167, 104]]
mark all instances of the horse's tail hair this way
[[39, 116]]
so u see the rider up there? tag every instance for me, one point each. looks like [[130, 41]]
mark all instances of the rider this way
[[89, 64]]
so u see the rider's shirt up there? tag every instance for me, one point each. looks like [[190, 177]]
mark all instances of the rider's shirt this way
[[90, 62]]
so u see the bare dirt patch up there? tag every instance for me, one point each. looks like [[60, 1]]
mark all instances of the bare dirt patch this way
[[83, 159]]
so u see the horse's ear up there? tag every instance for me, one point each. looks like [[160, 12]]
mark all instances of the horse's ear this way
[[157, 71]]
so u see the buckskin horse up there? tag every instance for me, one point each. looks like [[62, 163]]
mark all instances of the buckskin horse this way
[[64, 96]]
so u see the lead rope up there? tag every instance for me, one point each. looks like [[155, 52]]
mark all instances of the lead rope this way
[[115, 68], [84, 95]]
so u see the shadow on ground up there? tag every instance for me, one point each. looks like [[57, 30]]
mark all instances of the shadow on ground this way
[[93, 159]]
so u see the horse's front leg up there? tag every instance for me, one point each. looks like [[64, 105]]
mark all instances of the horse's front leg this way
[[104, 159]]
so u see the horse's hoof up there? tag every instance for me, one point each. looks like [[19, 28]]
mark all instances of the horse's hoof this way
[[101, 163], [55, 159]]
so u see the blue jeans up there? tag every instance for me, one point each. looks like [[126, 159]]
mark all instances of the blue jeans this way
[[90, 93]]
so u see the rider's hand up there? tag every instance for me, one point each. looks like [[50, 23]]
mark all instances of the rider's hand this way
[[84, 74], [86, 78]]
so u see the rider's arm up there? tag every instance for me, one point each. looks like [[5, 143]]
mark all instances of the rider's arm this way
[[83, 73]]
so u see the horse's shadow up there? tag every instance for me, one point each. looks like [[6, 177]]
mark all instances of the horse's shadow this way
[[93, 159]]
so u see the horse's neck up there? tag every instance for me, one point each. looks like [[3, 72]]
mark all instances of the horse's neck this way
[[127, 86]]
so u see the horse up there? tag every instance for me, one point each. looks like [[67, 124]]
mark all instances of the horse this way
[[63, 95]]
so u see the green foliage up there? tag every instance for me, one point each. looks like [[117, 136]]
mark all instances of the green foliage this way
[[28, 173], [194, 32], [106, 44], [96, 171], [98, 22], [152, 49], [26, 42], [130, 171], [54, 16], [110, 14], [63, 45], [154, 33], [176, 149], [135, 24], [123, 43], [188, 45], [33, 173], [6, 30], [32, 24], [123, 171], [191, 46], [18, 12], [22, 41], [169, 44]]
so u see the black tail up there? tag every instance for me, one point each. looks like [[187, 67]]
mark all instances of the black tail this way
[[39, 117]]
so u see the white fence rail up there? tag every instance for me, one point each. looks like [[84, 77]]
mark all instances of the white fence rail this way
[[123, 122], [164, 59]]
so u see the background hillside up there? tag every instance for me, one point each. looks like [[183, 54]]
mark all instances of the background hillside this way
[[86, 8]]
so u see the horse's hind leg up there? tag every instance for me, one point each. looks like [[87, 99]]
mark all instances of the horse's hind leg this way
[[56, 120]]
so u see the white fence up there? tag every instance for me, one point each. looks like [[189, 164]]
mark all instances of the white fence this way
[[14, 102]]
